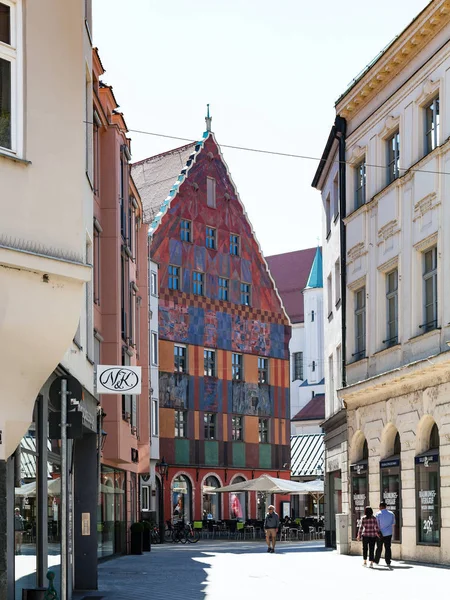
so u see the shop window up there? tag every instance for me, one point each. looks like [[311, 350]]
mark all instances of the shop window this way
[[359, 489], [239, 503], [390, 474], [211, 500], [181, 499], [428, 492]]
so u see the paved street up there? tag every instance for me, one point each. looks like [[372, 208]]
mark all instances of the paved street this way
[[218, 570]]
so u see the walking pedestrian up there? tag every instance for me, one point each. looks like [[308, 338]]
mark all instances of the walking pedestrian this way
[[369, 532], [18, 530], [271, 523], [386, 522]]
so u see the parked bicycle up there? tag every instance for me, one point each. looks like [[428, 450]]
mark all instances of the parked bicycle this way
[[182, 532]]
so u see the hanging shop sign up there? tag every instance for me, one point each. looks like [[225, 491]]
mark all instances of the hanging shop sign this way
[[119, 379]]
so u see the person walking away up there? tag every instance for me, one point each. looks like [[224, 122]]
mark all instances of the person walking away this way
[[386, 522], [369, 532], [271, 523], [18, 530]]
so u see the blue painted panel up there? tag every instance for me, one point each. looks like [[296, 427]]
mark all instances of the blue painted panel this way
[[246, 270], [175, 252], [210, 394], [196, 325]]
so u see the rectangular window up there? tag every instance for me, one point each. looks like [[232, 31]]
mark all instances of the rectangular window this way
[[223, 288], [155, 417], [132, 325], [185, 231], [197, 283], [337, 282], [360, 184], [209, 358], [97, 265], [331, 376], [154, 283], [210, 238], [432, 125], [263, 425], [211, 192], [10, 42], [430, 289], [174, 277], [236, 429], [246, 294], [180, 423], [89, 309], [392, 307], [312, 316], [360, 323], [330, 295], [236, 367], [180, 362], [328, 213], [209, 420], [297, 365], [145, 498], [428, 499], [154, 348], [336, 196], [234, 244], [393, 160], [263, 370], [339, 366]]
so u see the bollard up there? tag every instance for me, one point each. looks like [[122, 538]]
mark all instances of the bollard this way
[[51, 593]]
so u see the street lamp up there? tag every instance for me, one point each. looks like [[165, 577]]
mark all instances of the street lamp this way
[[163, 469]]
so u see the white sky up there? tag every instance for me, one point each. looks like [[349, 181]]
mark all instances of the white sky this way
[[271, 72]]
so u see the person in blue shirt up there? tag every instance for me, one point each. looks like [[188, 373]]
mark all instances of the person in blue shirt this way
[[386, 522]]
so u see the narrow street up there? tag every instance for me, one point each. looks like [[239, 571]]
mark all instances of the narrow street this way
[[218, 570]]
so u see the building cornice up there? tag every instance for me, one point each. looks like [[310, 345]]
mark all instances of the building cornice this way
[[395, 59]]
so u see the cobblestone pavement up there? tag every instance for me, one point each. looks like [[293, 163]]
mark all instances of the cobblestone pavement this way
[[240, 570]]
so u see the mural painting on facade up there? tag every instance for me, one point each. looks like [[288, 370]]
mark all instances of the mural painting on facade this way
[[173, 390], [210, 400], [252, 399], [174, 323]]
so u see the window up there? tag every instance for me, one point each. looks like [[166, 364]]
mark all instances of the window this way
[[234, 244], [154, 348], [154, 283], [180, 424], [97, 266], [197, 283], [132, 323], [331, 376], [155, 417], [263, 370], [263, 431], [339, 366], [393, 148], [236, 367], [313, 366], [336, 196], [209, 357], [236, 429], [223, 288], [328, 213], [330, 296], [180, 362], [392, 307], [390, 475], [430, 289], [10, 80], [174, 277], [337, 282], [145, 498], [360, 184], [210, 238], [185, 231], [211, 192], [432, 125], [245, 294], [360, 323], [312, 316], [89, 309], [297, 366], [428, 492], [209, 420]]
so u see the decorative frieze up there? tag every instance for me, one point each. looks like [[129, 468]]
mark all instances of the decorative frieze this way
[[425, 205], [387, 231]]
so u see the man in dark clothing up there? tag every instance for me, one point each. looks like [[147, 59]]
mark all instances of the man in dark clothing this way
[[18, 530], [271, 523], [386, 522]]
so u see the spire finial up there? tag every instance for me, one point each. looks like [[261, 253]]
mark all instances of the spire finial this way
[[208, 119]]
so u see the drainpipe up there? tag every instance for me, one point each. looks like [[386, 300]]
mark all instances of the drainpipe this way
[[341, 127]]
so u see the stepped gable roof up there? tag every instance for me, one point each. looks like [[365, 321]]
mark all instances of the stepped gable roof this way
[[313, 411], [315, 279], [156, 176], [291, 271]]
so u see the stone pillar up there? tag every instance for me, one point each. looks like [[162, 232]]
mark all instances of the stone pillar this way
[[7, 529], [85, 512]]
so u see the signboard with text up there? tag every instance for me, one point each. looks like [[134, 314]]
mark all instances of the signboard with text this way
[[119, 379]]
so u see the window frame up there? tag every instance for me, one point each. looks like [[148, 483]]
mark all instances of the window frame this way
[[264, 430], [210, 425], [96, 275], [391, 295], [154, 347], [235, 244], [360, 311], [186, 230], [174, 277], [12, 53], [427, 276], [237, 367], [211, 237], [154, 284], [328, 217], [224, 289], [209, 362], [155, 417], [263, 370], [360, 183], [198, 283], [297, 366], [180, 422], [337, 283], [246, 293], [180, 363], [237, 428], [432, 132], [393, 156]]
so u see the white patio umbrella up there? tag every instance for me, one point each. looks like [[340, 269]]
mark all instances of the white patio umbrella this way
[[266, 483]]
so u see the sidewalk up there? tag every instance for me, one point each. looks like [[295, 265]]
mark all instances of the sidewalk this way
[[215, 570]]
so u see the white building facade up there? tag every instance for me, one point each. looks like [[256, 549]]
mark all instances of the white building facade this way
[[398, 287]]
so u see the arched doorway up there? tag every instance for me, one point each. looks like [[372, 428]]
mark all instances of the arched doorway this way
[[239, 502], [211, 500], [181, 499], [428, 490]]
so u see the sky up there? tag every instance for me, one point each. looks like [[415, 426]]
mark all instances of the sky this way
[[271, 72]]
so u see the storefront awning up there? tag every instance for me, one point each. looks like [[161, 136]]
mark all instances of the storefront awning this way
[[307, 455]]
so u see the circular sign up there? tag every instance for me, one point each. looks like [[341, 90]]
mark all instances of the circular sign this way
[[119, 379]]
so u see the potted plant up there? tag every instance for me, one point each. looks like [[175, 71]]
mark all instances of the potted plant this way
[[146, 536], [137, 537]]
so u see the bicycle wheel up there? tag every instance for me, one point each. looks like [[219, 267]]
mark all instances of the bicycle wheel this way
[[193, 536], [168, 535], [183, 536], [175, 536]]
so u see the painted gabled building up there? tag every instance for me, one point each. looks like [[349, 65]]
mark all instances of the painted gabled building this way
[[223, 336]]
